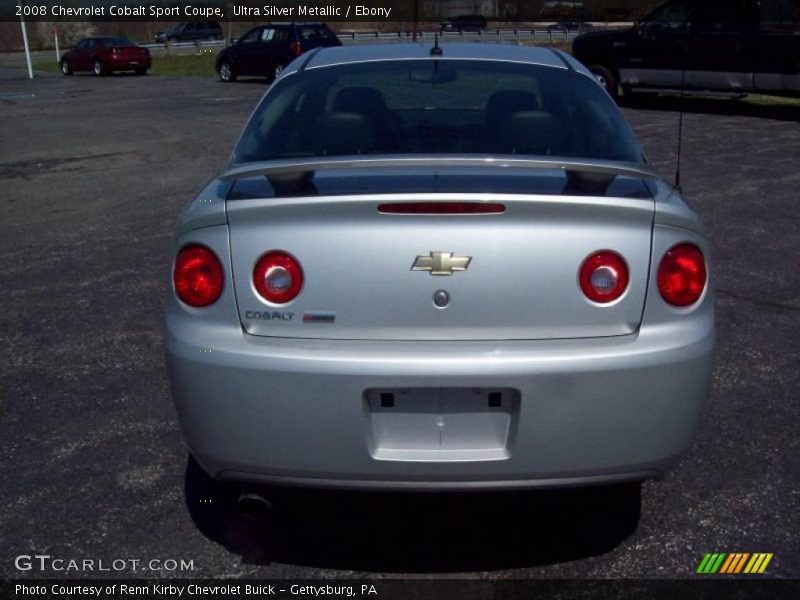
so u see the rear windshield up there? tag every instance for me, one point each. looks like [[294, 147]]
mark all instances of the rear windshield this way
[[116, 41], [437, 106]]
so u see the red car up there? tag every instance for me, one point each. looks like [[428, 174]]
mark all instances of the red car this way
[[103, 55]]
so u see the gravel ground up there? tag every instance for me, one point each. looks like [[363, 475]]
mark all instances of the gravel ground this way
[[93, 173]]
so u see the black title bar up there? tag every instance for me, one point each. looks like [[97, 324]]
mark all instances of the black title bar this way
[[312, 10], [397, 589]]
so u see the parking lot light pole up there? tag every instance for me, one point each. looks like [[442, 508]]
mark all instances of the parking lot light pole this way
[[27, 48], [230, 23]]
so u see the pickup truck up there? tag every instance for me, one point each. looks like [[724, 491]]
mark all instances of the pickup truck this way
[[717, 46]]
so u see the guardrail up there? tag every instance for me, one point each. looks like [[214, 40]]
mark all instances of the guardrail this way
[[488, 35], [182, 47], [544, 36]]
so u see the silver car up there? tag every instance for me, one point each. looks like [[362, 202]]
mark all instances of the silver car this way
[[439, 268]]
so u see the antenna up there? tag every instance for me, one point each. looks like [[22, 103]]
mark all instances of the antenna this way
[[436, 51], [680, 118]]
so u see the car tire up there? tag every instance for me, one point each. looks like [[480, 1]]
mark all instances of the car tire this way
[[277, 69], [226, 72], [208, 501], [141, 71], [606, 78], [218, 514], [98, 68], [65, 68], [629, 96]]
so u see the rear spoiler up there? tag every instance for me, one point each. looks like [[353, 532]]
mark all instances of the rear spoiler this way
[[290, 175]]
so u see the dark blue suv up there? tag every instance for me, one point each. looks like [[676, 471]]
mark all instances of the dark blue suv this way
[[265, 50]]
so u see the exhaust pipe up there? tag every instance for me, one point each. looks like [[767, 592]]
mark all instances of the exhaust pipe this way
[[254, 507]]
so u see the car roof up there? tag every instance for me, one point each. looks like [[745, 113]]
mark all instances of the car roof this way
[[538, 55], [107, 37]]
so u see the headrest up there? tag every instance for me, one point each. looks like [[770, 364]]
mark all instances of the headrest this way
[[530, 132], [340, 133], [359, 99], [502, 103]]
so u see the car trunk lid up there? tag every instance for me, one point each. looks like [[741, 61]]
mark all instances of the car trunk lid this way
[[130, 51], [510, 274]]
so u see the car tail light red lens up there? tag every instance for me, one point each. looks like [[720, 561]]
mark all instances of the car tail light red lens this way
[[278, 277], [198, 276], [603, 277], [297, 48], [441, 208], [682, 275]]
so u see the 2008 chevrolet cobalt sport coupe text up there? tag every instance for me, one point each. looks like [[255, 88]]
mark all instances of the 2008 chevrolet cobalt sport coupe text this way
[[439, 268]]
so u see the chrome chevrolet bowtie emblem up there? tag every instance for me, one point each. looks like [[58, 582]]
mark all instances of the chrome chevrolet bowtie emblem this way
[[441, 263]]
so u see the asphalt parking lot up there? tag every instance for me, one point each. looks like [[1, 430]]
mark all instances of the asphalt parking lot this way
[[93, 173]]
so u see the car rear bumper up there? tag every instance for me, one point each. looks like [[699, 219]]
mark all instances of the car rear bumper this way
[[126, 63], [293, 411]]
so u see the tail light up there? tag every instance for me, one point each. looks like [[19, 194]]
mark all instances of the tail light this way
[[198, 276], [441, 208], [297, 47], [278, 277], [603, 277], [682, 275]]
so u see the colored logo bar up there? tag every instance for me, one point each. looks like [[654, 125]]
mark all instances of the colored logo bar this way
[[734, 563]]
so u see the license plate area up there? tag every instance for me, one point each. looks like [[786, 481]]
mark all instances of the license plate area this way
[[441, 424]]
